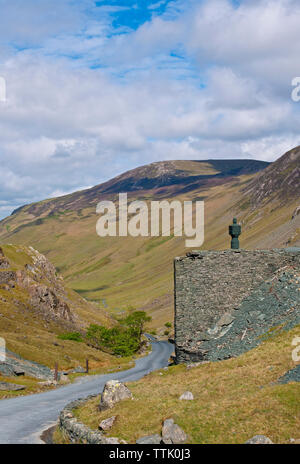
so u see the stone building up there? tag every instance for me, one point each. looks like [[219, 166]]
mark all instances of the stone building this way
[[226, 302]]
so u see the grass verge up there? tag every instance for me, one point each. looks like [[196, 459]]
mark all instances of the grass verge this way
[[234, 399]]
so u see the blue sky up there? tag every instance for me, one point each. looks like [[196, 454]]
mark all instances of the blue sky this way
[[98, 87]]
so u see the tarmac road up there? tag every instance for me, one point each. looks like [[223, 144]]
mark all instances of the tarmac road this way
[[23, 419]]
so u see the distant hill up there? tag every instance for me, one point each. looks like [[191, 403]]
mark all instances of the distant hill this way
[[117, 273]]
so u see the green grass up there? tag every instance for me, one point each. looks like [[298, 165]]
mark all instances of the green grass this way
[[139, 271], [233, 400], [32, 386]]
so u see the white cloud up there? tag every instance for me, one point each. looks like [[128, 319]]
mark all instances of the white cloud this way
[[204, 80]]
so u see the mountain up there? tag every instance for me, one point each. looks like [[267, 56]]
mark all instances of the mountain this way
[[279, 181], [120, 272], [160, 179]]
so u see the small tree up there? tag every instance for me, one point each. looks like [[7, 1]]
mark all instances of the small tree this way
[[136, 321]]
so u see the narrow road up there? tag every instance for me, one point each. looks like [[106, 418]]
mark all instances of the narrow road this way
[[23, 419]]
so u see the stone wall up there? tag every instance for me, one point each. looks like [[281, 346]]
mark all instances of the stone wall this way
[[225, 301], [78, 433]]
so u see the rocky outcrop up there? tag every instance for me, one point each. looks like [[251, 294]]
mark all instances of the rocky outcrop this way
[[113, 392], [4, 263], [45, 290], [7, 277], [44, 299]]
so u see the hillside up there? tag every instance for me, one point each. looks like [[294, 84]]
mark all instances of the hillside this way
[[36, 307], [280, 180], [116, 273], [234, 400]]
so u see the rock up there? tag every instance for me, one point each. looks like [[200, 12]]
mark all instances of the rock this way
[[64, 379], [7, 276], [226, 319], [259, 440], [18, 371], [172, 433], [295, 441], [112, 441], [78, 370], [196, 364], [296, 212], [292, 375], [113, 392], [14, 365], [107, 424], [187, 396], [4, 263], [149, 440], [49, 302], [48, 383], [5, 386], [6, 370]]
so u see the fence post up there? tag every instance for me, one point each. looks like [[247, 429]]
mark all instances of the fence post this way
[[56, 372]]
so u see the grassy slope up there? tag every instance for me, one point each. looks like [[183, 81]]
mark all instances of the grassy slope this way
[[33, 337], [119, 272], [233, 400]]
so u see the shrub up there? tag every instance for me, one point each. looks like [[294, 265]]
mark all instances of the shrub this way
[[168, 325], [74, 336], [123, 339]]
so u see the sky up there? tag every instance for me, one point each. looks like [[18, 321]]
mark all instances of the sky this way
[[94, 88]]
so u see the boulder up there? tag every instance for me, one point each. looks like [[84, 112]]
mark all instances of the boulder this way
[[113, 392], [78, 370], [107, 424], [259, 440], [64, 379], [172, 433], [149, 440], [187, 396], [18, 371], [6, 386]]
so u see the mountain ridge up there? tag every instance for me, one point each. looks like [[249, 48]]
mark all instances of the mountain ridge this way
[[117, 273], [154, 176]]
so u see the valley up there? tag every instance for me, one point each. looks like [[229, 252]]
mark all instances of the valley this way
[[117, 273]]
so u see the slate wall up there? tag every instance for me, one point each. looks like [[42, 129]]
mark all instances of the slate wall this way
[[225, 301]]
